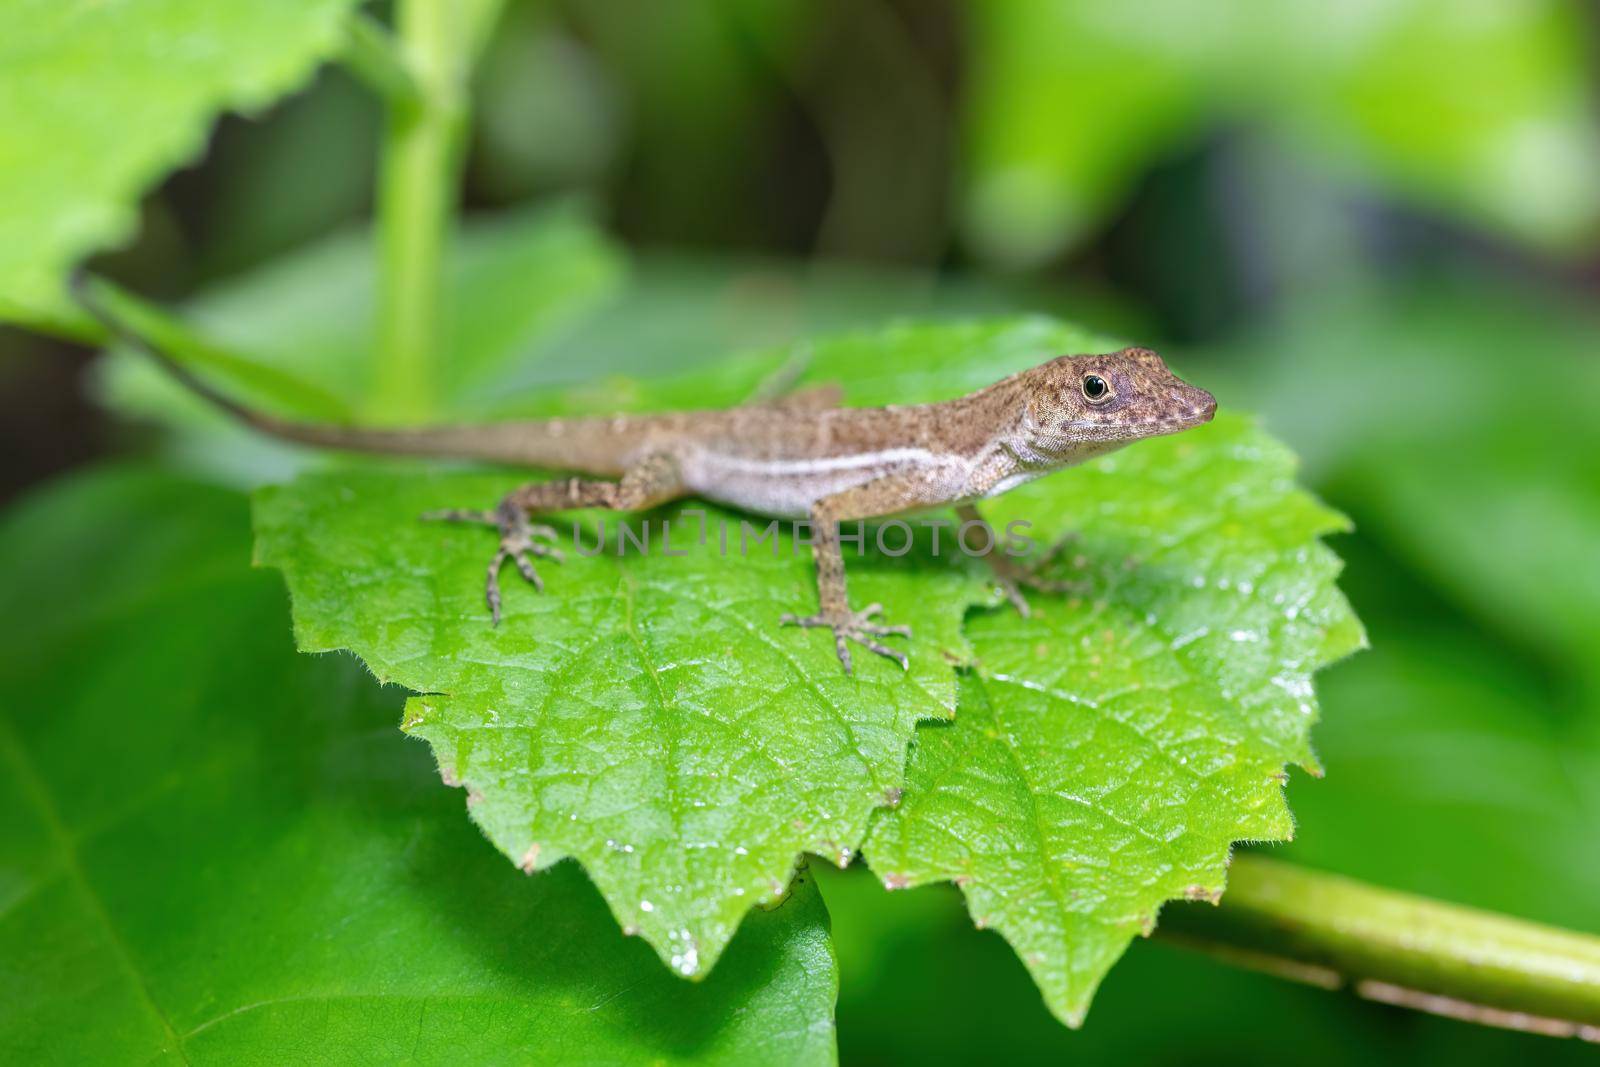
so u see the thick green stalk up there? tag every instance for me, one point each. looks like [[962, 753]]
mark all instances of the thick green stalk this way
[[370, 53], [1398, 948], [417, 193]]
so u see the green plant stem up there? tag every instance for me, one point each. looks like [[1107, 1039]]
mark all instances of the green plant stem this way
[[417, 192], [1398, 948], [372, 55]]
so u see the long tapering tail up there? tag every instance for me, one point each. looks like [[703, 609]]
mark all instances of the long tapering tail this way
[[550, 443]]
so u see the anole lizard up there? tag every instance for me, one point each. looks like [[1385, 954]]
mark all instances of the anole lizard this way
[[801, 457]]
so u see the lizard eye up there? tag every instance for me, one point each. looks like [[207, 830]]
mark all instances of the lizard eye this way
[[1095, 389]]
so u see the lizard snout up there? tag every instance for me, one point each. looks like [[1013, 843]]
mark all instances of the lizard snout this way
[[1193, 405]]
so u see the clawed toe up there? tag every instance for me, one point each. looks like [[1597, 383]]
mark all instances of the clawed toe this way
[[525, 565], [872, 611], [1008, 585]]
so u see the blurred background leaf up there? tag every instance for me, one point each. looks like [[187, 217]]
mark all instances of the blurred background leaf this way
[[98, 104], [1457, 414], [1480, 109]]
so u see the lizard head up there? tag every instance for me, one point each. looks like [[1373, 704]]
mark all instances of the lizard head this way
[[1108, 400]]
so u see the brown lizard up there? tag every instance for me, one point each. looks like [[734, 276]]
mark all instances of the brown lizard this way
[[800, 457]]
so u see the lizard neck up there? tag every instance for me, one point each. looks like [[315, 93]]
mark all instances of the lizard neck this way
[[1011, 462]]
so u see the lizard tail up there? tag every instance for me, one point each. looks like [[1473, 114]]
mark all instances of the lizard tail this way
[[516, 442]]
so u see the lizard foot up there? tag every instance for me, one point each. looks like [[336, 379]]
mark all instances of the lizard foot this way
[[1012, 577], [854, 626], [518, 541]]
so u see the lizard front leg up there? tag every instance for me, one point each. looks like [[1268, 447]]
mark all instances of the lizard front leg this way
[[655, 480], [1011, 576], [881, 496]]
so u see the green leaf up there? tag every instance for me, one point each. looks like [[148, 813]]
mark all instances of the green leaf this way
[[218, 849], [1108, 751], [101, 99], [646, 715], [1073, 101]]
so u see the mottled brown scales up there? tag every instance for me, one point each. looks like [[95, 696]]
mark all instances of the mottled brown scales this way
[[799, 456]]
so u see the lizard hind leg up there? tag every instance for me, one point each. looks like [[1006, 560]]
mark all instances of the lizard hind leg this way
[[652, 481]]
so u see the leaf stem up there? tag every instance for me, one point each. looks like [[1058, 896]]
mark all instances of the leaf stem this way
[[1398, 948], [372, 54], [417, 192]]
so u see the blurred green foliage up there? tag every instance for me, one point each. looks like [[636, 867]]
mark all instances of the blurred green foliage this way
[[1457, 412], [919, 985], [98, 105], [1482, 109]]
